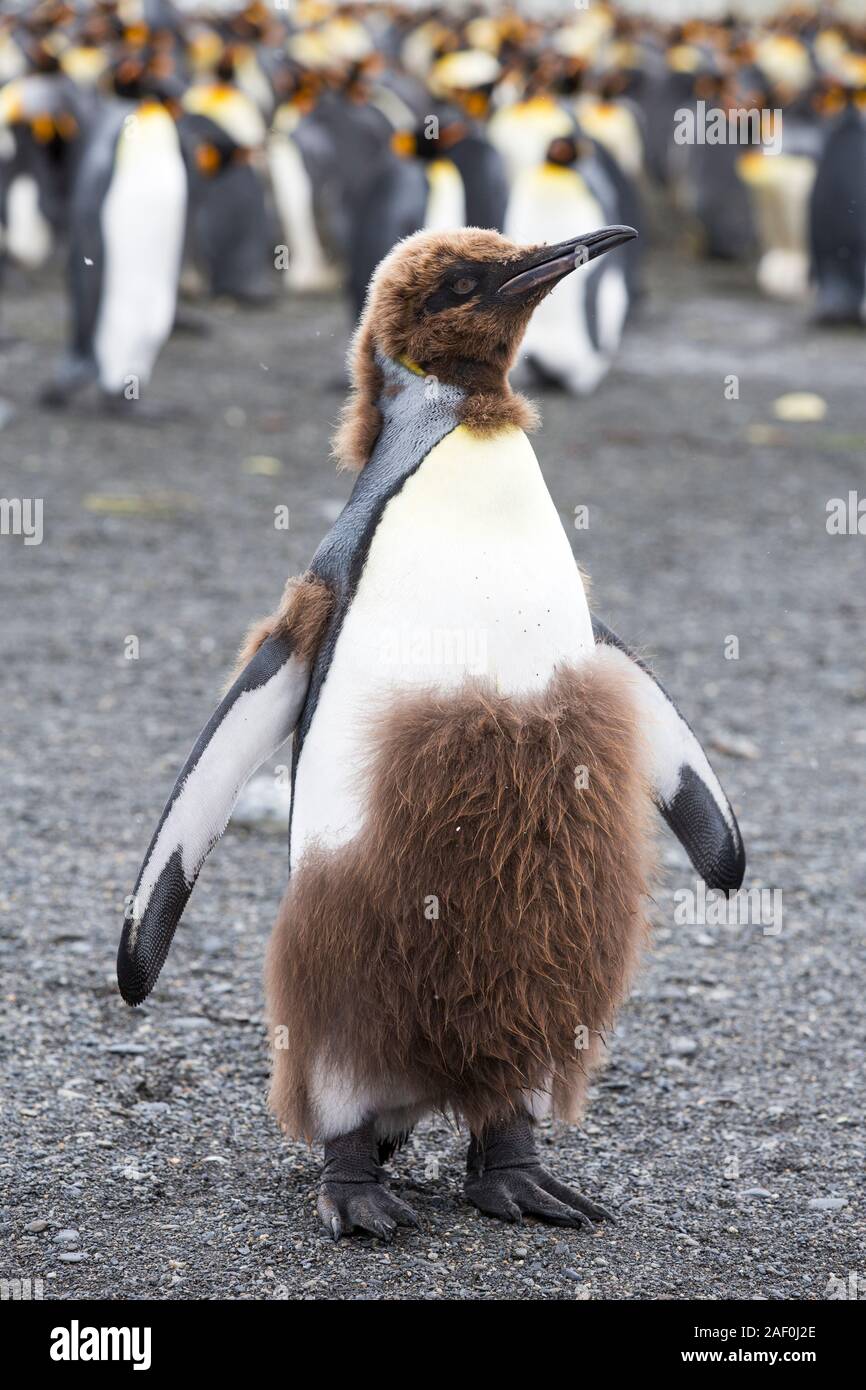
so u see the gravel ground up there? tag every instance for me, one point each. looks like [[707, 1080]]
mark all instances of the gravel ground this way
[[139, 1159]]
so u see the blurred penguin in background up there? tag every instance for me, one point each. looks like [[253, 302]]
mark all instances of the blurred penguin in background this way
[[253, 35], [414, 185], [346, 135], [574, 334], [780, 173], [437, 174], [523, 130], [614, 125], [304, 168], [837, 214], [127, 221], [670, 65], [329, 140], [42, 116], [464, 83], [711, 186], [232, 230], [310, 141]]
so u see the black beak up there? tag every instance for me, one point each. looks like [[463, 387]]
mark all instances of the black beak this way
[[542, 269]]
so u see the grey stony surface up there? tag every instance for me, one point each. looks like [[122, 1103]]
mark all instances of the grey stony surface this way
[[727, 1130]]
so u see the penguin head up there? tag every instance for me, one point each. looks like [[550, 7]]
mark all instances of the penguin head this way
[[457, 304]]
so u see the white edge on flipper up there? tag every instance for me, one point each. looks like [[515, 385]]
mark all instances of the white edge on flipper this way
[[685, 788], [257, 716]]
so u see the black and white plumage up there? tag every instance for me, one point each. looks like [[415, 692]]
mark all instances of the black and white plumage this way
[[685, 788], [253, 720], [278, 695], [127, 223]]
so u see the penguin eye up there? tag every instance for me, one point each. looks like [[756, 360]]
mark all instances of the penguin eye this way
[[455, 286], [465, 285]]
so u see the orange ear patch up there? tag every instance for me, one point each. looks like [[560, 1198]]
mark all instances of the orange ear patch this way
[[403, 143], [43, 129], [207, 158]]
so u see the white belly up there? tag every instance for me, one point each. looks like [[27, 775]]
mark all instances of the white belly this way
[[780, 187], [143, 219], [28, 235], [446, 199], [523, 132], [308, 268], [470, 574]]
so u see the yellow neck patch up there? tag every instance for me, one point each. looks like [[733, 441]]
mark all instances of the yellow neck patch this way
[[411, 366]]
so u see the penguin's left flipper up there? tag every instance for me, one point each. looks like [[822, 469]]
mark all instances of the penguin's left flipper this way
[[256, 716], [685, 788]]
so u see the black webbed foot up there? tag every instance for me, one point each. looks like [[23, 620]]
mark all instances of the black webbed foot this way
[[505, 1179], [353, 1194], [367, 1206]]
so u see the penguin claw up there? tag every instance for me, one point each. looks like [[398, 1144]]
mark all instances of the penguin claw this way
[[587, 1209], [529, 1190], [367, 1206], [383, 1229], [330, 1216]]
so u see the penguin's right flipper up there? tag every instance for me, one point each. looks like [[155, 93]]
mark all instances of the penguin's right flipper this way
[[255, 717], [685, 788]]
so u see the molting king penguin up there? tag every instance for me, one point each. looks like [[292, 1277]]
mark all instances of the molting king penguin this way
[[475, 759]]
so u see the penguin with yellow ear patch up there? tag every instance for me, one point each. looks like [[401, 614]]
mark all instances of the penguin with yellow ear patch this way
[[232, 228], [126, 231], [474, 762], [437, 177], [41, 119]]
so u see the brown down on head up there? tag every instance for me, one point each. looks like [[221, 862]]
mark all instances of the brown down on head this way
[[467, 345]]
